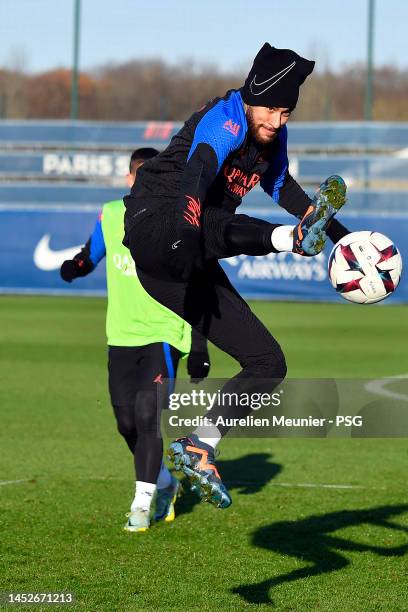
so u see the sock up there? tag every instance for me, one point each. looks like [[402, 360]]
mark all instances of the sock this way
[[209, 434], [282, 238], [143, 495], [164, 477]]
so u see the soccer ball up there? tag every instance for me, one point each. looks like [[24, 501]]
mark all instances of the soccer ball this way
[[365, 267]]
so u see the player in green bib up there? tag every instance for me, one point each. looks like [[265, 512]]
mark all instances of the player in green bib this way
[[146, 341]]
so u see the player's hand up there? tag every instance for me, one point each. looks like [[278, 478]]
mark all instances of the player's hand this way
[[68, 271], [73, 268], [198, 365], [186, 254]]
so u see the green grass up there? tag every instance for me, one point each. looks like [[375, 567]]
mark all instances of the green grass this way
[[291, 547]]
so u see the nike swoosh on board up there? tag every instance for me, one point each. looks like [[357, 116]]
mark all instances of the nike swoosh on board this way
[[47, 259]]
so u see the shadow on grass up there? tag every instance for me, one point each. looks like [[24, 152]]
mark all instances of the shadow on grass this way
[[309, 540], [246, 475]]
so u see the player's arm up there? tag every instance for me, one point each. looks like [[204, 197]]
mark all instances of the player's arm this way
[[198, 363], [88, 258], [283, 188], [211, 145]]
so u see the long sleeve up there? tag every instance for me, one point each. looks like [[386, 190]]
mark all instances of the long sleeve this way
[[198, 175], [215, 137], [93, 251], [198, 342], [283, 188], [88, 257], [198, 363]]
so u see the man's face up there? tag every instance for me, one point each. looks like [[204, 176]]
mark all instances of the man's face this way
[[264, 123]]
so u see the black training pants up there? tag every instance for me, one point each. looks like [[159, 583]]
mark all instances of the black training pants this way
[[134, 373], [208, 301]]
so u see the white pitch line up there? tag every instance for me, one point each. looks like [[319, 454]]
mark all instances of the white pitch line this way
[[236, 483], [290, 484], [316, 486], [9, 482], [377, 387], [242, 483]]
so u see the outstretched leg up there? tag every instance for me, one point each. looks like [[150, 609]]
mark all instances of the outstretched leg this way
[[213, 306]]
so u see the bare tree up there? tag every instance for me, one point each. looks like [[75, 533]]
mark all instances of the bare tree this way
[[155, 90]]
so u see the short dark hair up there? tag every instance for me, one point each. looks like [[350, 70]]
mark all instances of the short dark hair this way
[[142, 155]]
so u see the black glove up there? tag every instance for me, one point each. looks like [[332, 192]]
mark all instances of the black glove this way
[[73, 268], [186, 254], [198, 366]]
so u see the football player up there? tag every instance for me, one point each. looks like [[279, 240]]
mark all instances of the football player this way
[[181, 219], [145, 343]]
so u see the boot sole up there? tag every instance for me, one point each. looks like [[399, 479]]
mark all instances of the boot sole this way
[[207, 490], [333, 198]]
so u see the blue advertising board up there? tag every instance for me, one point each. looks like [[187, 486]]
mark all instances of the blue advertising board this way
[[36, 241], [348, 135], [96, 165], [81, 194]]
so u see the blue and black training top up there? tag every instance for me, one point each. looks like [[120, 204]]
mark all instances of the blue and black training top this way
[[213, 161]]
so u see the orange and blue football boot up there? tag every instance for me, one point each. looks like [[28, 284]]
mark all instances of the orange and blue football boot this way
[[309, 236], [196, 460]]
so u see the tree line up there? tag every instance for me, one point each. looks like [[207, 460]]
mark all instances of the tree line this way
[[155, 90]]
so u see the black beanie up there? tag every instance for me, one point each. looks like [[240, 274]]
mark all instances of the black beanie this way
[[275, 78]]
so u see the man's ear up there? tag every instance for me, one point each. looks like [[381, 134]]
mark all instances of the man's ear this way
[[130, 179]]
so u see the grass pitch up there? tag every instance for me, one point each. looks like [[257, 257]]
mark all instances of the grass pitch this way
[[281, 544]]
